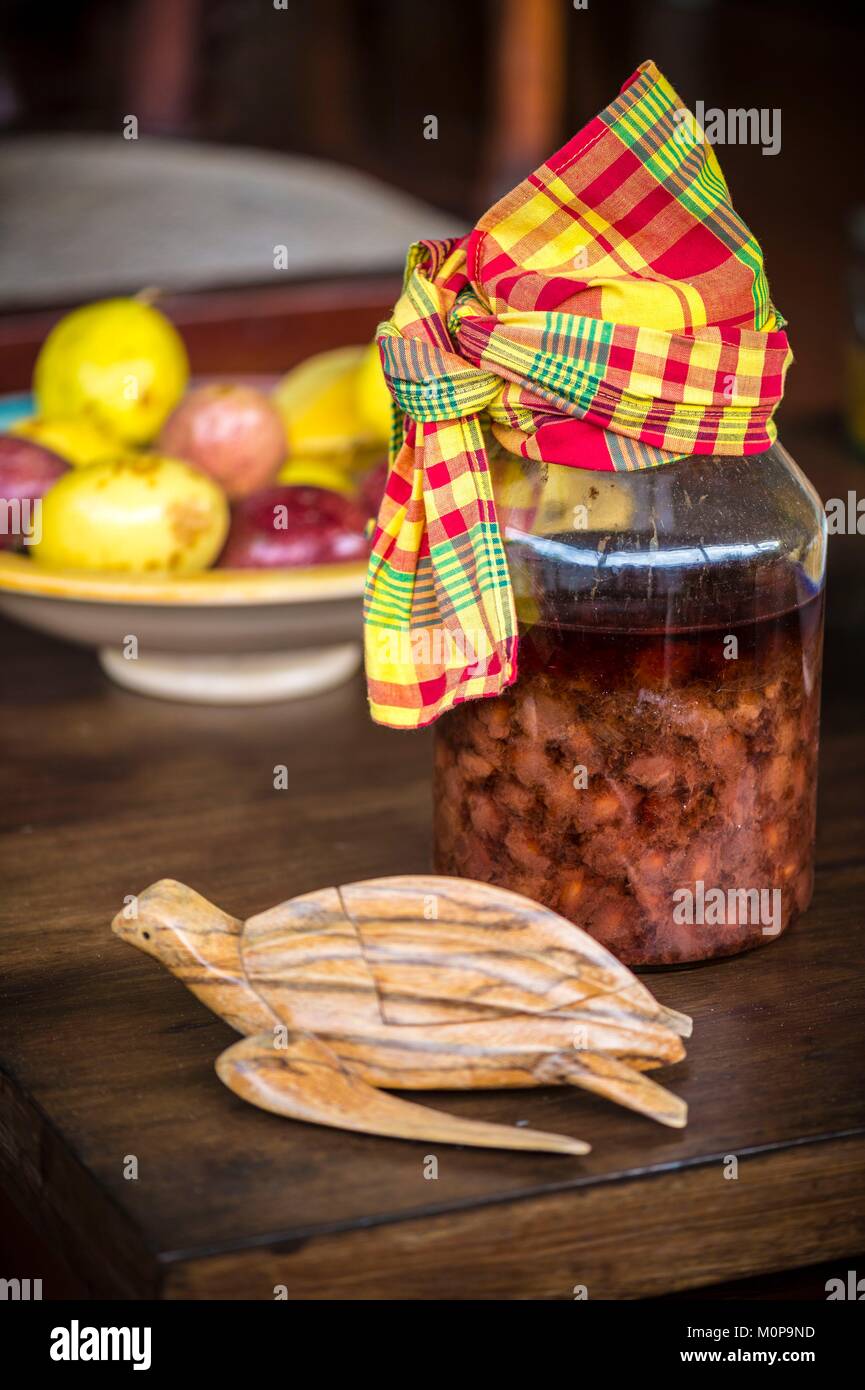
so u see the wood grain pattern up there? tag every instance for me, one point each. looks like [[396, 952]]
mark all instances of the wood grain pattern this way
[[103, 1055], [484, 952], [199, 944], [306, 1080], [680, 1230], [340, 963]]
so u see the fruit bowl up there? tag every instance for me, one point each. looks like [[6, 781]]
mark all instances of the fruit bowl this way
[[217, 637], [168, 538]]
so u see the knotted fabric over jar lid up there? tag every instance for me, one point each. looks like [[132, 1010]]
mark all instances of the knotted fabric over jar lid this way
[[611, 313]]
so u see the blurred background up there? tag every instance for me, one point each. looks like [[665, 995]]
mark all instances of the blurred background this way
[[179, 142]]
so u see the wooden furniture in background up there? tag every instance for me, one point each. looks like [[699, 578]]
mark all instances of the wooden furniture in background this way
[[236, 331], [527, 91], [161, 63]]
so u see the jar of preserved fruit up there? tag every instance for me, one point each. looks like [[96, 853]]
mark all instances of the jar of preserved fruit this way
[[652, 773]]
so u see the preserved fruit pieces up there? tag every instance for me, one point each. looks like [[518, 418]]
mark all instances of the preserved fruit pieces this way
[[655, 791]]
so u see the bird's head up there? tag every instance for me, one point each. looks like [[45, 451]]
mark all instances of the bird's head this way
[[172, 923], [149, 920]]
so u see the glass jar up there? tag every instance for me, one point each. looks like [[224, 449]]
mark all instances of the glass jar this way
[[652, 773]]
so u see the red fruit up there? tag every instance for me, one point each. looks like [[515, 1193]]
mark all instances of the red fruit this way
[[288, 526], [372, 488], [27, 471], [234, 434]]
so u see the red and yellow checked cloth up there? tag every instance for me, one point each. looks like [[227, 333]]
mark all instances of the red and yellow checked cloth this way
[[611, 312]]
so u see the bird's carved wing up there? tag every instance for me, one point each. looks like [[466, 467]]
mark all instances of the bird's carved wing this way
[[447, 950], [304, 959], [306, 1080]]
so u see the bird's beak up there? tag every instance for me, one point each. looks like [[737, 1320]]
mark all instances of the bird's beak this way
[[120, 925]]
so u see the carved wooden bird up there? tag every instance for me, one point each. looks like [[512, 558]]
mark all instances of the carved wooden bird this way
[[413, 983]]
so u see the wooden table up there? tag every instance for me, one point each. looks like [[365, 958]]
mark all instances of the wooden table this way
[[104, 1057]]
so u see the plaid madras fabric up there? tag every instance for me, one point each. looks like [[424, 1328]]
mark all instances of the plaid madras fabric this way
[[611, 313]]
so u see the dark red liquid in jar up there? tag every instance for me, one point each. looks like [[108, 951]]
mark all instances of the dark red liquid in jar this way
[[627, 768]]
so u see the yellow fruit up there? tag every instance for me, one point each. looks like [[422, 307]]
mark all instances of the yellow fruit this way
[[76, 438], [143, 513], [318, 404], [374, 400], [118, 360], [318, 472]]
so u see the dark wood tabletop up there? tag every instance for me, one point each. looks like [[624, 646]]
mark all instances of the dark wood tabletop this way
[[105, 1058]]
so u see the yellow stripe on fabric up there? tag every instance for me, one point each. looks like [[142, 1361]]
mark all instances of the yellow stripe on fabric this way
[[446, 370]]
